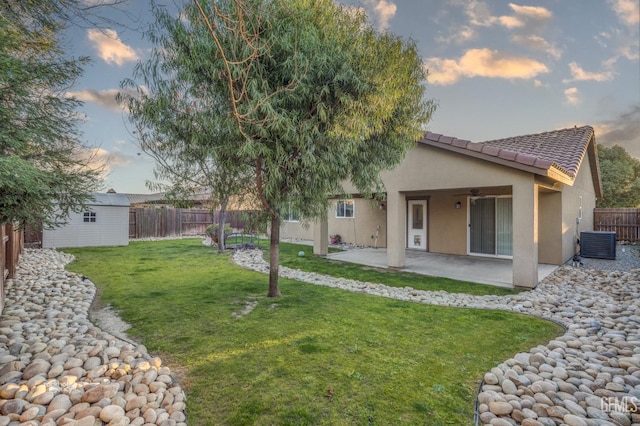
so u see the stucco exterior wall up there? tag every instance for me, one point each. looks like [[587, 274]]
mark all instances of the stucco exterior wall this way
[[368, 227], [550, 230], [369, 222], [447, 225], [441, 175], [427, 168], [111, 228], [571, 202], [296, 230]]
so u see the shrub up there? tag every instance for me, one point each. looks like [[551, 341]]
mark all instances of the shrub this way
[[212, 231]]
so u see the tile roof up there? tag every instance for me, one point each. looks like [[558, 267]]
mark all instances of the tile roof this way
[[562, 150]]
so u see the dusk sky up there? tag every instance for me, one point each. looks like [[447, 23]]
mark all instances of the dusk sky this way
[[496, 69]]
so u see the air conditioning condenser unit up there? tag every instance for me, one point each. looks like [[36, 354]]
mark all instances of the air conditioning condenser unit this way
[[598, 244]]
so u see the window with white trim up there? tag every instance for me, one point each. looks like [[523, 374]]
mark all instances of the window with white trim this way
[[89, 216], [290, 214], [345, 209]]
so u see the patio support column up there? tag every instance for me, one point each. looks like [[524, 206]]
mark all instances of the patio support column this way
[[525, 234], [396, 229], [321, 237]]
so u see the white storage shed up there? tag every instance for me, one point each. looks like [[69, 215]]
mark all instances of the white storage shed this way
[[104, 223]]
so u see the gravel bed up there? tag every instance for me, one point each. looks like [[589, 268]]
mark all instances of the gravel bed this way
[[627, 258]]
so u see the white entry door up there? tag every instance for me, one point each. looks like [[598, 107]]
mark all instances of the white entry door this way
[[417, 225]]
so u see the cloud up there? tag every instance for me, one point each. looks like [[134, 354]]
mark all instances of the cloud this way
[[510, 21], [628, 12], [382, 10], [104, 98], [579, 74], [110, 48], [482, 63], [539, 84], [572, 96], [459, 36], [532, 12], [535, 42], [480, 15], [623, 130], [103, 161], [624, 38]]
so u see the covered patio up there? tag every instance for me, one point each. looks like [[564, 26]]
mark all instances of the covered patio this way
[[482, 270]]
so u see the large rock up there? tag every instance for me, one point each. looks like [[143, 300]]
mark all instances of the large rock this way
[[112, 413], [60, 401], [99, 392], [500, 408]]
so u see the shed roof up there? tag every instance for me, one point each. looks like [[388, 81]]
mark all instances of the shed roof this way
[[114, 200], [556, 154]]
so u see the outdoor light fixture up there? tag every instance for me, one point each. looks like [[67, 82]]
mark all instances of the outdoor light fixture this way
[[458, 205]]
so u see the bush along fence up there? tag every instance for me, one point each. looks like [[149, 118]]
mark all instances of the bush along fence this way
[[11, 245], [169, 222], [625, 222]]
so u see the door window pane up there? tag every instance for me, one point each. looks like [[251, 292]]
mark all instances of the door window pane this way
[[482, 221], [491, 226], [417, 216], [504, 222]]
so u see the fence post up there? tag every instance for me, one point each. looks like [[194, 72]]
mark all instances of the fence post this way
[[11, 266], [4, 239]]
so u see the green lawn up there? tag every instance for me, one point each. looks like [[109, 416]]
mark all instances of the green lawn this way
[[289, 257], [316, 356]]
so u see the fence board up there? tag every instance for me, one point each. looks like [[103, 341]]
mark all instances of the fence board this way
[[149, 222], [625, 222], [11, 245]]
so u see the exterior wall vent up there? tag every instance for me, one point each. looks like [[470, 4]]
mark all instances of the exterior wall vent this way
[[598, 244]]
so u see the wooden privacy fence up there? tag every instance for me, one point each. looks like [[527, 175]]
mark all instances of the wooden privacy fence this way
[[11, 244], [149, 222], [625, 222]]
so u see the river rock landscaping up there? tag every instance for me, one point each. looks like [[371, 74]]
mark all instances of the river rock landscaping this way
[[57, 367]]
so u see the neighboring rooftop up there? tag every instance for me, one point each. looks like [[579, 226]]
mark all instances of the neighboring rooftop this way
[[109, 199], [562, 150], [145, 198]]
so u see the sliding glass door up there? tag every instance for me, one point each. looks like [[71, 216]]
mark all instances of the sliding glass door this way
[[491, 226]]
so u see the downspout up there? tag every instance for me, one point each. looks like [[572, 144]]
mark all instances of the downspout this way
[[375, 244]]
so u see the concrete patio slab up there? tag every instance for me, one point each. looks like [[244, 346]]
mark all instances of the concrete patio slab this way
[[482, 270]]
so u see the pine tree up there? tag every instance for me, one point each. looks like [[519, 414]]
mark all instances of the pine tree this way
[[43, 165]]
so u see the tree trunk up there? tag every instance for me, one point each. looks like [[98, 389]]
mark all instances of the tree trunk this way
[[274, 257], [221, 222]]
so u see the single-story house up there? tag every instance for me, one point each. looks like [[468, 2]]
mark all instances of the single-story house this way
[[525, 198], [105, 222]]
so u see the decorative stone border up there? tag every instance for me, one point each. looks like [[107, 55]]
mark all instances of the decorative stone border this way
[[56, 367]]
